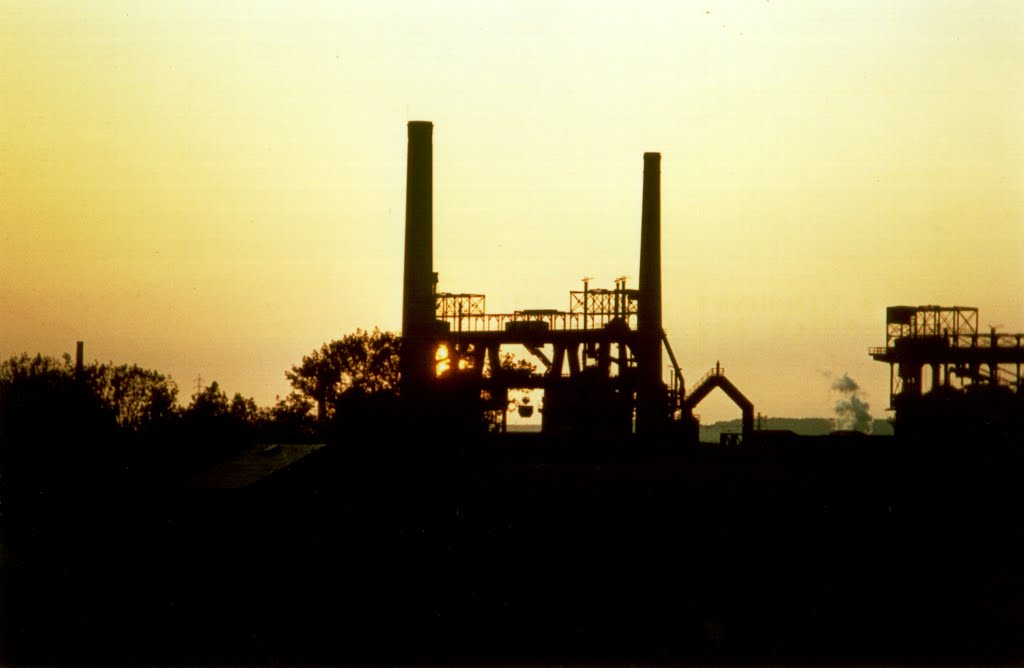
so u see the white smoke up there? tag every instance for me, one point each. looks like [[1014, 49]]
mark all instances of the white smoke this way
[[851, 411]]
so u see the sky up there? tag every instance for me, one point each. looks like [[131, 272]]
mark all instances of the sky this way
[[215, 189]]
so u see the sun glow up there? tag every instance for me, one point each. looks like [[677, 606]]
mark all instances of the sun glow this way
[[443, 362]]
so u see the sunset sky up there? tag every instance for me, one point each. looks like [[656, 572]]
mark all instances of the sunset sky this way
[[216, 189]]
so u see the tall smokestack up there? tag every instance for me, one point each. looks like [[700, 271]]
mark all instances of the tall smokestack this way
[[417, 361], [650, 390]]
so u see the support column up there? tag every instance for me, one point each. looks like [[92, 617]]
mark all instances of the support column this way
[[573, 353], [557, 361]]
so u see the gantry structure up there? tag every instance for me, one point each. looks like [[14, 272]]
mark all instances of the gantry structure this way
[[946, 340], [590, 373]]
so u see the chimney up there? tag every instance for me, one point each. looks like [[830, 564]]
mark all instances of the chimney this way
[[417, 361], [650, 390]]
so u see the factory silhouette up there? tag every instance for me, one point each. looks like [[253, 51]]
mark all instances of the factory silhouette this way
[[606, 360], [424, 531], [604, 367]]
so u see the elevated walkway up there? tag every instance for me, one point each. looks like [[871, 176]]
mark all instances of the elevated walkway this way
[[715, 378]]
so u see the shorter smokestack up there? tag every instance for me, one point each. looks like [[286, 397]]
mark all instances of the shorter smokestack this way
[[417, 362], [79, 357]]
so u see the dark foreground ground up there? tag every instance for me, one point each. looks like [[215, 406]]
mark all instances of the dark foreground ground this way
[[822, 551]]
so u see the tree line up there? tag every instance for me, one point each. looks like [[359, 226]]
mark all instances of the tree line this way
[[106, 416]]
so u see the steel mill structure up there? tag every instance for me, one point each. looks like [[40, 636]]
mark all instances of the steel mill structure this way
[[599, 363], [946, 340]]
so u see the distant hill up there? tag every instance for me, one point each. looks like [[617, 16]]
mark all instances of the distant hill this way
[[524, 428], [803, 426]]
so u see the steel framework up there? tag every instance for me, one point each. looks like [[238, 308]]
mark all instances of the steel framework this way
[[588, 309], [947, 340], [596, 338]]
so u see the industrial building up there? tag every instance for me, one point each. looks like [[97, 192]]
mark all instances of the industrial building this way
[[947, 377]]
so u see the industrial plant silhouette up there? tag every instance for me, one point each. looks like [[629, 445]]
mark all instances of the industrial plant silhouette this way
[[611, 342], [425, 531], [603, 331]]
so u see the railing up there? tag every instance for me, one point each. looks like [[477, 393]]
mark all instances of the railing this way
[[988, 341], [588, 309], [975, 341], [716, 370], [556, 320]]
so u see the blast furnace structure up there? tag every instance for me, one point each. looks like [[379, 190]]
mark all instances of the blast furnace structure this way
[[599, 362]]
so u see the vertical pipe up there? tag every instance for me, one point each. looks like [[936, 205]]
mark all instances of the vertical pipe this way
[[586, 298], [650, 409], [417, 361]]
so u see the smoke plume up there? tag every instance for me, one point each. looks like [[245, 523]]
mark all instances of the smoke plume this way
[[845, 384], [851, 410]]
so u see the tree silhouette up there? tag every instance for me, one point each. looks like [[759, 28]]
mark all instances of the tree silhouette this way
[[510, 364], [134, 398], [41, 401], [215, 425], [360, 363], [139, 398], [243, 409], [208, 403], [289, 418]]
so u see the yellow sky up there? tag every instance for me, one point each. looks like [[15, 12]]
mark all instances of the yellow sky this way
[[217, 188]]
